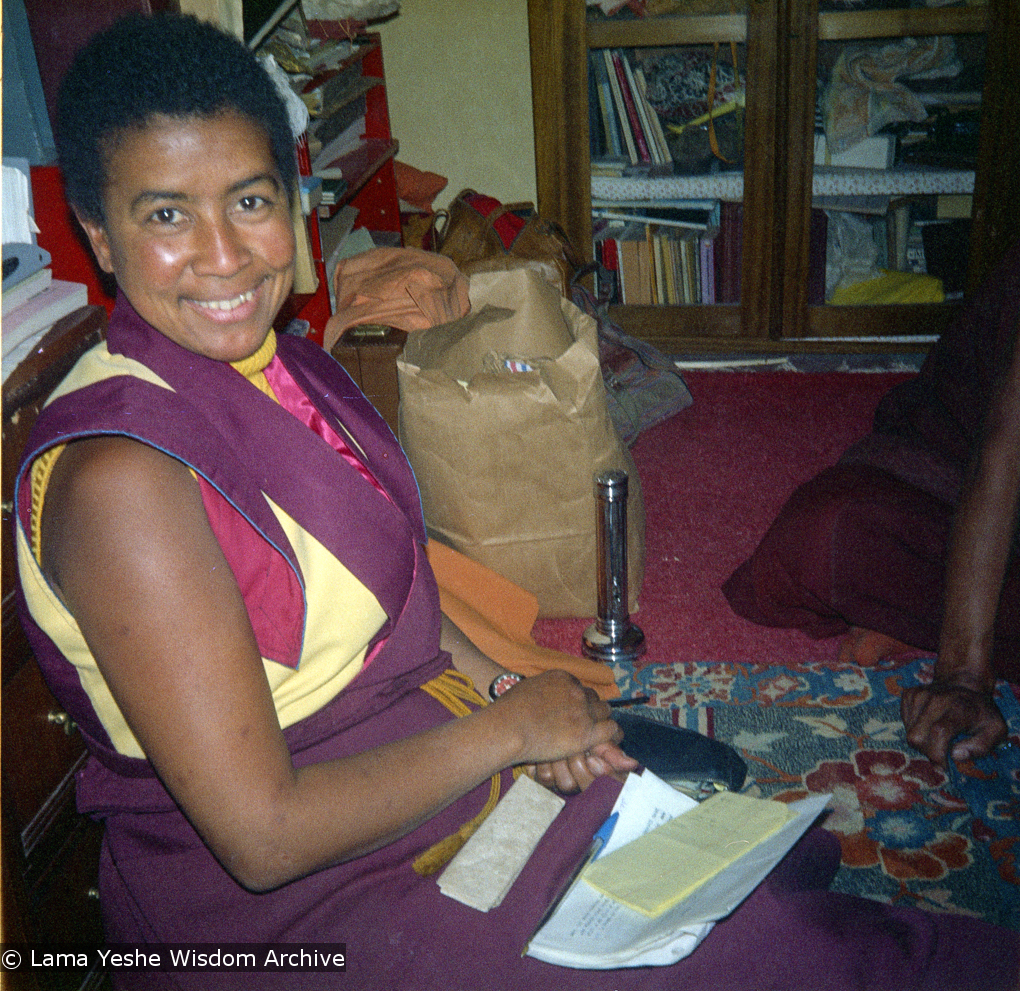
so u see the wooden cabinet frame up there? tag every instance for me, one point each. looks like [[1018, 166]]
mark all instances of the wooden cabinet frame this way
[[782, 39]]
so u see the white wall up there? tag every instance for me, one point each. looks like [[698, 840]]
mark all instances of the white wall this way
[[458, 76], [459, 84]]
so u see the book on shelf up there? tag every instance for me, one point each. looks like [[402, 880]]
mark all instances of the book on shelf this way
[[661, 152], [23, 291], [707, 248], [635, 278], [646, 263], [612, 167], [729, 252], [24, 325], [612, 145], [626, 910], [634, 105], [627, 137], [692, 216], [620, 107], [607, 270]]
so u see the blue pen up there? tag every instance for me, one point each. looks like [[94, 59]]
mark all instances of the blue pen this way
[[598, 842]]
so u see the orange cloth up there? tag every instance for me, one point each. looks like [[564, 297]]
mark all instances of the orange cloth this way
[[406, 288], [497, 617], [417, 187]]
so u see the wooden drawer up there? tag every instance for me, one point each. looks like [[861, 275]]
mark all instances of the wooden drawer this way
[[65, 897], [41, 749], [63, 906]]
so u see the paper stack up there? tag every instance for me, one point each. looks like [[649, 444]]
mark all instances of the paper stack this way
[[609, 921], [33, 301]]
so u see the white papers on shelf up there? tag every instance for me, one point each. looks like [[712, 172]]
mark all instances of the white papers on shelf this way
[[19, 225]]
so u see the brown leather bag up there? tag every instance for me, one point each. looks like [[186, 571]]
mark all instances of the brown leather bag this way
[[480, 234]]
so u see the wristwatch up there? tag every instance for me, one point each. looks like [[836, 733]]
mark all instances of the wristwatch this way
[[502, 683]]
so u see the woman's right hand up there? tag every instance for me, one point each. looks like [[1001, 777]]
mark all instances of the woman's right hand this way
[[566, 733]]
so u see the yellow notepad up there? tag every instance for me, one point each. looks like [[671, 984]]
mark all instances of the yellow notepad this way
[[661, 868]]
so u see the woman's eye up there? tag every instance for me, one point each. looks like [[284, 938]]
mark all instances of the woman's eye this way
[[249, 204], [167, 215]]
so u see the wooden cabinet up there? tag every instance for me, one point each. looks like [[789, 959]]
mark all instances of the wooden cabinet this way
[[50, 852], [781, 45]]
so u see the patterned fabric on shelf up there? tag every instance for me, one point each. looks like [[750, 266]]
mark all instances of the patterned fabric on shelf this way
[[830, 181]]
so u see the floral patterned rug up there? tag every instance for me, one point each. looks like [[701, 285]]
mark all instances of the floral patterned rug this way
[[911, 833]]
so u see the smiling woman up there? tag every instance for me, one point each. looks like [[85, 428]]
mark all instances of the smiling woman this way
[[222, 563], [207, 255]]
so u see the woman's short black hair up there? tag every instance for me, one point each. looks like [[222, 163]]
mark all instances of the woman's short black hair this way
[[166, 64]]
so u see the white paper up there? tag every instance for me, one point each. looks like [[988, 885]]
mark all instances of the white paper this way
[[18, 223], [487, 865], [590, 930]]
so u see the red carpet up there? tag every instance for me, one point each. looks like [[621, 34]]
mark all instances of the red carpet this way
[[713, 478]]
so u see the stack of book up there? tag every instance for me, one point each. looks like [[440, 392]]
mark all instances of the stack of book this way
[[31, 306], [627, 137], [33, 301], [668, 253]]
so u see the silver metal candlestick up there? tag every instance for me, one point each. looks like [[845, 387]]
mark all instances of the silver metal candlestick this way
[[612, 637]]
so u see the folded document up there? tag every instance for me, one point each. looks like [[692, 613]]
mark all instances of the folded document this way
[[730, 850]]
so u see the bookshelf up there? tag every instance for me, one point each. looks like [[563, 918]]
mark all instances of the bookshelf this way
[[782, 47], [358, 117]]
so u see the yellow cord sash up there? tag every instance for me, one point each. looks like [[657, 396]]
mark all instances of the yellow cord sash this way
[[455, 690]]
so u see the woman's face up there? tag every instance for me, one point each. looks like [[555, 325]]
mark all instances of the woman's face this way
[[198, 231]]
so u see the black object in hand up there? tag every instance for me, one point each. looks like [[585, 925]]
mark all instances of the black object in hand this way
[[674, 753]]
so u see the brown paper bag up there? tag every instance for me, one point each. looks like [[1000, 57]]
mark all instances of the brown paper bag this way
[[505, 458]]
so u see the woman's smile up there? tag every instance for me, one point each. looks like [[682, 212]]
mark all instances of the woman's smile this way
[[226, 310]]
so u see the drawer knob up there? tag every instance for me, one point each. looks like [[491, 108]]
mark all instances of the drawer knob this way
[[60, 718], [92, 894]]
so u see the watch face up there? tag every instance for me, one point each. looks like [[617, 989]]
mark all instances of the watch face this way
[[502, 683]]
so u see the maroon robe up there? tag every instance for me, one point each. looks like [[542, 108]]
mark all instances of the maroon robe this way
[[160, 883], [864, 543]]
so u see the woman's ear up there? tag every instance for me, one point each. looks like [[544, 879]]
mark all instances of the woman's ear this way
[[97, 236]]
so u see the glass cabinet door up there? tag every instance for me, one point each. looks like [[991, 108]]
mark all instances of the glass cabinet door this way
[[668, 139], [883, 166]]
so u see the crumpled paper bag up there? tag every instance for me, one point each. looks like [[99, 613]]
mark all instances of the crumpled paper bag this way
[[504, 418]]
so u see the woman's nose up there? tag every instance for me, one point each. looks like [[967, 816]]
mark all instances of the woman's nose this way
[[221, 248]]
